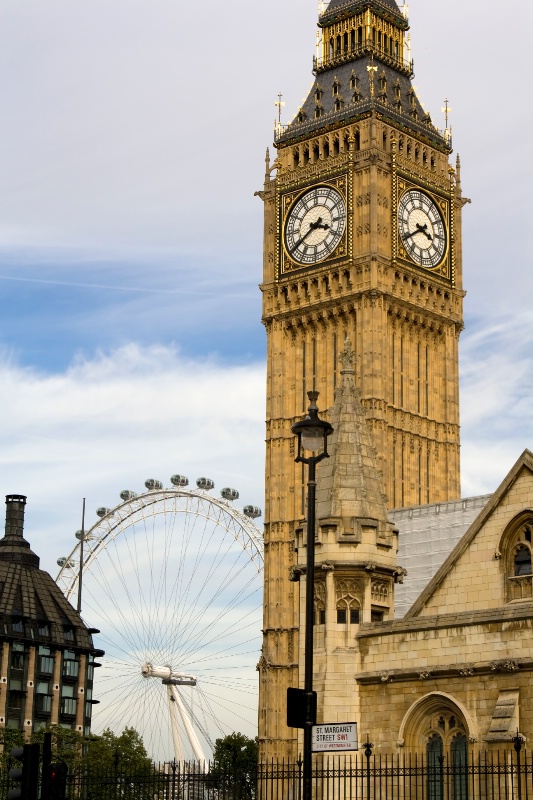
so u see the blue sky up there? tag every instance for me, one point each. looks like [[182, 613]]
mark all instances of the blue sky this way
[[132, 141]]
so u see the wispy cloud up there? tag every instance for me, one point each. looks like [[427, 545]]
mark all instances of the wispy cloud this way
[[496, 398], [111, 422]]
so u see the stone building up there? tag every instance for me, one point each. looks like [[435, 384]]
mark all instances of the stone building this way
[[363, 259], [455, 671], [48, 657]]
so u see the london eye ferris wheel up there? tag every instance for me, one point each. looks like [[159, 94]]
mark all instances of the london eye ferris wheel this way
[[173, 579]]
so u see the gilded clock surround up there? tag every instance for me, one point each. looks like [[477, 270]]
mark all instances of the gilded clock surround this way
[[286, 203], [442, 193]]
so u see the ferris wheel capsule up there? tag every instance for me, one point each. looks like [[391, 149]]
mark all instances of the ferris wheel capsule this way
[[65, 562], [205, 483], [127, 495], [230, 494], [252, 511], [80, 535], [179, 480], [103, 511], [153, 485]]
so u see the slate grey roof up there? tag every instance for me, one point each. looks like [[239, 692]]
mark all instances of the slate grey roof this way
[[428, 535], [30, 599], [404, 111]]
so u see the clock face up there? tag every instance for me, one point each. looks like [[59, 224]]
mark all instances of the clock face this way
[[422, 229], [315, 225]]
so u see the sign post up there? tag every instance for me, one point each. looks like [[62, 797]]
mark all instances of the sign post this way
[[335, 737]]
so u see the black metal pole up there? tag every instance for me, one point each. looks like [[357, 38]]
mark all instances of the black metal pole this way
[[80, 573], [312, 433], [309, 613]]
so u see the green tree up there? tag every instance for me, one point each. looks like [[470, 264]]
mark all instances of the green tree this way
[[124, 754], [234, 769], [9, 738], [67, 745]]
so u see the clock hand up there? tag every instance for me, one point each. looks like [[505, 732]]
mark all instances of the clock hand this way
[[420, 229], [312, 227]]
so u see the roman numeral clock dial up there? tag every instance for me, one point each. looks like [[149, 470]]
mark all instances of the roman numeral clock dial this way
[[315, 225], [422, 229]]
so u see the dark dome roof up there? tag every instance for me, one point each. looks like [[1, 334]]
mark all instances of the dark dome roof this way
[[29, 596]]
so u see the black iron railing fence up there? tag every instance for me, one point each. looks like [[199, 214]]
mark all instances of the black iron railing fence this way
[[505, 775]]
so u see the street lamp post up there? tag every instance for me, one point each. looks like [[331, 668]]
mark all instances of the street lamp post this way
[[312, 434]]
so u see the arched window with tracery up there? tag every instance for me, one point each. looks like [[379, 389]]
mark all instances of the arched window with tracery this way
[[347, 600], [515, 548]]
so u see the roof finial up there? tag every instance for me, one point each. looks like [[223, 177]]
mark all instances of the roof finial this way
[[371, 70], [278, 127], [446, 110], [347, 358]]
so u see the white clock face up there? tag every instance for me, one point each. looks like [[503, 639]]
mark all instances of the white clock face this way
[[422, 229], [315, 225]]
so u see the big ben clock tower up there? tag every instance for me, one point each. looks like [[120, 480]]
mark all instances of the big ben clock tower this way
[[362, 240]]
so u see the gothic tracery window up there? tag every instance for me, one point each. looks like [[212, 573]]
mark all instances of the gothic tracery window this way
[[348, 592], [446, 746], [518, 561]]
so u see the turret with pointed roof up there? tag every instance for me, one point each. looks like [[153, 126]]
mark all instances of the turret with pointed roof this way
[[356, 547]]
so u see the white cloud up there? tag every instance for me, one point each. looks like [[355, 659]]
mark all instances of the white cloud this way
[[111, 422], [496, 391]]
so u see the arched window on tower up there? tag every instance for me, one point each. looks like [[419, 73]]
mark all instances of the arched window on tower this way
[[347, 600]]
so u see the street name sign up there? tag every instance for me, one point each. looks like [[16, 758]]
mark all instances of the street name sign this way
[[335, 737]]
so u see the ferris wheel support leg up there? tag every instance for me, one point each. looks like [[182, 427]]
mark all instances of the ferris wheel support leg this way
[[176, 738], [195, 744]]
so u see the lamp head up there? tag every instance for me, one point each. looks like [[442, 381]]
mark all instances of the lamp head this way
[[312, 432]]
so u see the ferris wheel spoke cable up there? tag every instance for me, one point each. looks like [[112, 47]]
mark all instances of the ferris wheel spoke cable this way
[[213, 600], [188, 596], [130, 627], [217, 702], [231, 631], [131, 621], [212, 716], [200, 555], [181, 588]]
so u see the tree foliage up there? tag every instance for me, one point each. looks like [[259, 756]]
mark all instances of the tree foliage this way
[[234, 769]]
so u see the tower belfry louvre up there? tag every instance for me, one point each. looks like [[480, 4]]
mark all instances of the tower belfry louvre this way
[[362, 240]]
